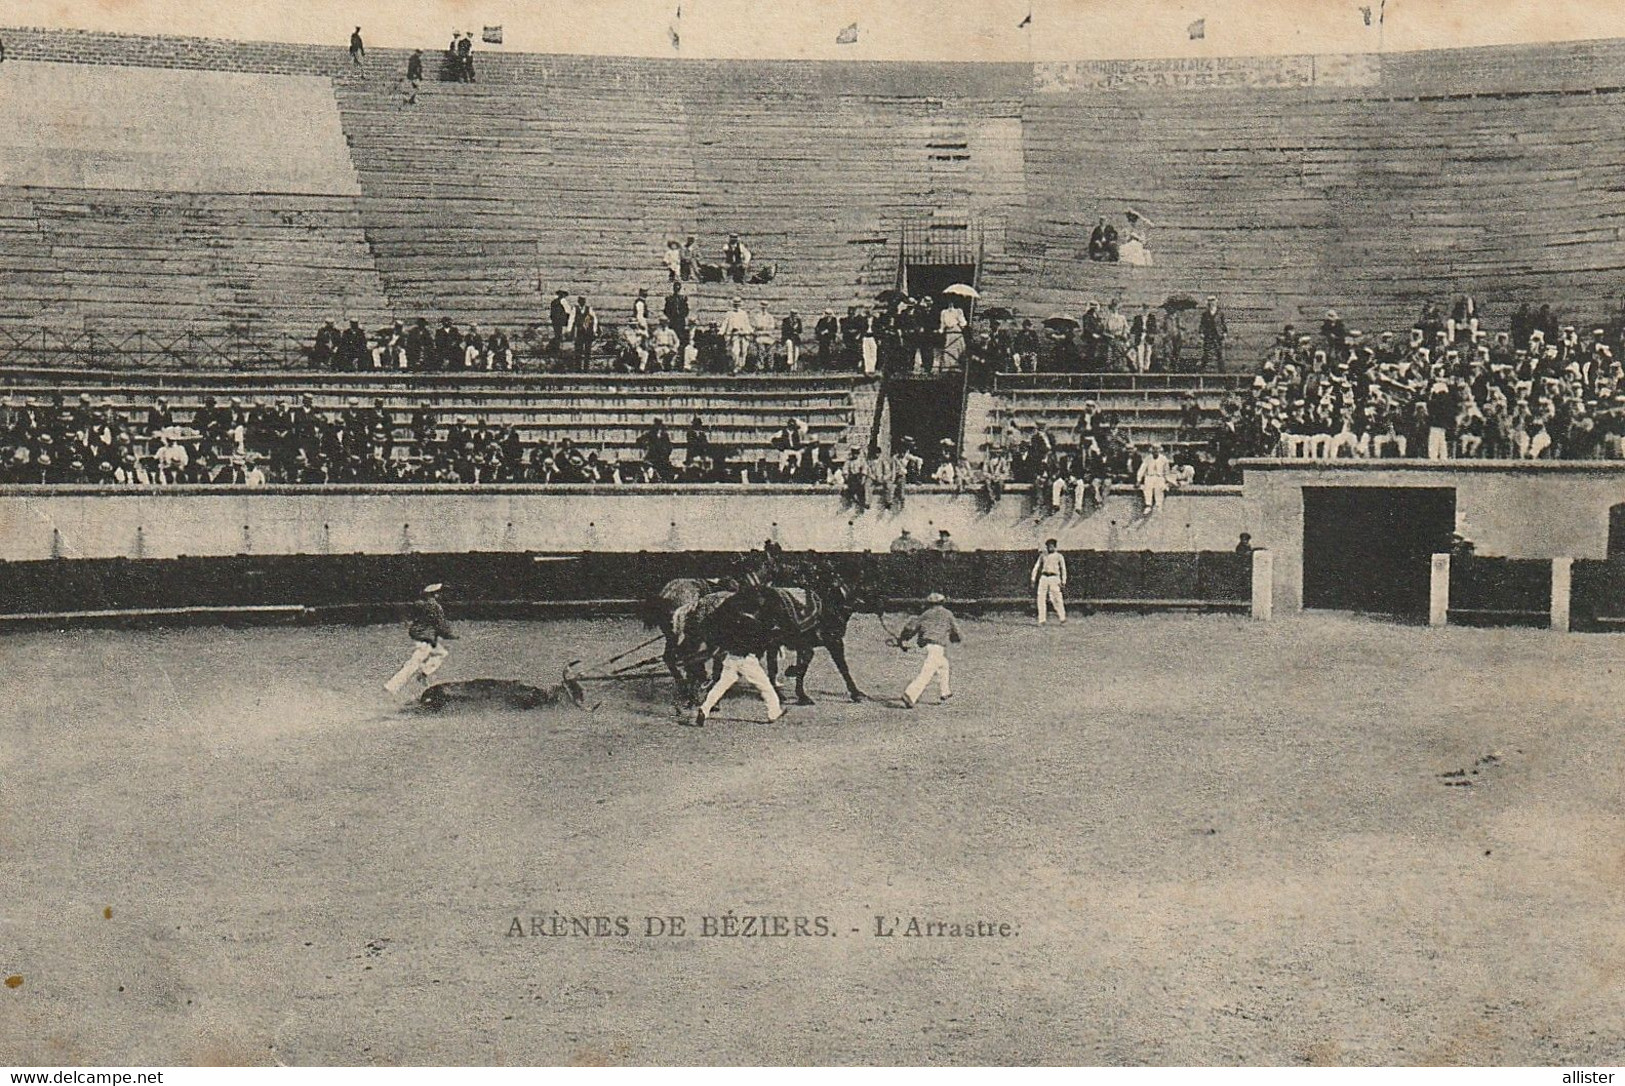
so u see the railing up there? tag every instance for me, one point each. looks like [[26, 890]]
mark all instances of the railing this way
[[1119, 382], [926, 242], [190, 349]]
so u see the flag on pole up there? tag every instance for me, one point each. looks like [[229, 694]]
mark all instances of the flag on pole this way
[[1382, 9], [848, 35], [1197, 30], [1025, 23], [675, 29], [492, 35]]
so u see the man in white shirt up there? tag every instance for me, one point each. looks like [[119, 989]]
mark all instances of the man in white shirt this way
[[1153, 479], [172, 460], [666, 346], [1049, 579], [736, 330], [765, 328]]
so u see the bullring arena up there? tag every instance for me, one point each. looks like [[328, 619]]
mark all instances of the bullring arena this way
[[1321, 769]]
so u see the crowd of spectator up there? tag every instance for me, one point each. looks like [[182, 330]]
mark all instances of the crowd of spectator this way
[[289, 441], [898, 334], [1447, 387]]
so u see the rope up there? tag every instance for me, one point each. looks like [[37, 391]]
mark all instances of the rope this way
[[891, 638], [624, 655]]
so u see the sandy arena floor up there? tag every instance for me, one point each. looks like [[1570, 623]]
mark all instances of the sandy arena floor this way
[[1215, 842]]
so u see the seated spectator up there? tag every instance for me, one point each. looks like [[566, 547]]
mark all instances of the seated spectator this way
[[905, 543], [665, 346], [354, 353], [736, 259], [1103, 241], [1134, 252], [325, 353], [498, 351]]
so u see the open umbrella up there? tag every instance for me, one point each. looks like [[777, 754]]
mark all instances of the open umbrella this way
[[1179, 303], [887, 297], [999, 313], [1061, 323], [962, 290]]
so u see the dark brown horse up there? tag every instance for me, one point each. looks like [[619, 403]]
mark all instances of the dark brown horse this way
[[760, 619]]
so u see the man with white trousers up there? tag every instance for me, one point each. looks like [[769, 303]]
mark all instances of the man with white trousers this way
[[427, 628], [933, 629], [1049, 579], [734, 668], [1153, 479]]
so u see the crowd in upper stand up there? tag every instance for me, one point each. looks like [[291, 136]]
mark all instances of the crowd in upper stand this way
[[1450, 386], [897, 333]]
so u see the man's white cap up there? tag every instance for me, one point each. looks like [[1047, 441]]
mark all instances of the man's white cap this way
[[936, 597], [431, 589]]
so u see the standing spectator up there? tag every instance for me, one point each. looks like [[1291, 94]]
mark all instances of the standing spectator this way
[[1441, 416], [357, 50], [868, 340], [766, 330], [465, 57], [672, 258], [790, 331], [1153, 479], [414, 76], [1116, 329], [1027, 344], [736, 258], [448, 346], [558, 313], [827, 332], [640, 311], [1142, 338], [686, 258], [951, 325], [736, 329], [676, 310], [1214, 331], [585, 322]]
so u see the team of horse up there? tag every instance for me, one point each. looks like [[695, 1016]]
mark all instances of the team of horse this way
[[764, 606]]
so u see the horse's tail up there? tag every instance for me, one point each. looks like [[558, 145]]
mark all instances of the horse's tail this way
[[655, 612]]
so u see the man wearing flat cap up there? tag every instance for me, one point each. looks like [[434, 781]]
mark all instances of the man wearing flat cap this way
[[427, 627], [933, 630]]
